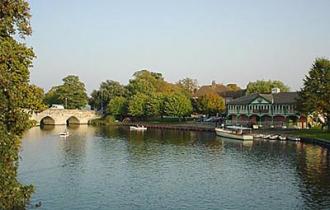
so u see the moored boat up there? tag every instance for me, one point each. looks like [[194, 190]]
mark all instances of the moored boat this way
[[282, 138], [137, 128], [235, 132], [273, 137], [293, 138], [259, 136]]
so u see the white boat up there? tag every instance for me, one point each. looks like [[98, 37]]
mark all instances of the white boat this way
[[273, 137], [235, 132], [258, 136], [292, 138], [266, 136], [282, 138], [64, 134], [137, 128]]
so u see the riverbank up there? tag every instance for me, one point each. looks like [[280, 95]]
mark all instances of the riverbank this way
[[188, 126], [312, 136], [165, 123]]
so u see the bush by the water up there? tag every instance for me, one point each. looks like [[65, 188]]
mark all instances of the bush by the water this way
[[106, 120]]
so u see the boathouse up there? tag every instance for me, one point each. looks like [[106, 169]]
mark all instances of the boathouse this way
[[277, 109]]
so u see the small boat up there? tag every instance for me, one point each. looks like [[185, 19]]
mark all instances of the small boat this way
[[259, 136], [282, 138], [293, 138], [137, 128], [64, 134], [235, 132], [273, 137], [266, 136]]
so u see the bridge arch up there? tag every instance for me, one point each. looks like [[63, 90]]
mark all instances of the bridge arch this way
[[72, 121], [47, 121]]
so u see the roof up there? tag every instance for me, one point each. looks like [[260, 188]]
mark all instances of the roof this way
[[233, 94], [275, 98], [285, 98]]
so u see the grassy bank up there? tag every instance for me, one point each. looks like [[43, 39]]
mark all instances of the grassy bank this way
[[110, 120], [313, 133], [106, 120], [166, 123]]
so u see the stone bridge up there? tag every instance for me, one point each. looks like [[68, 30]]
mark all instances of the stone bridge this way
[[64, 116]]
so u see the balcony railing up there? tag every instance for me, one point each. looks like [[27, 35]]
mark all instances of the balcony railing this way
[[264, 124], [262, 112]]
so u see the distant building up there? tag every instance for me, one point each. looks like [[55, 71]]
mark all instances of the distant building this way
[[268, 110]]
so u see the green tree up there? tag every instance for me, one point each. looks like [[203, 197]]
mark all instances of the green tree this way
[[154, 105], [16, 96], [263, 86], [71, 93], [315, 94], [145, 82], [212, 103], [52, 97], [107, 91], [232, 87], [189, 85], [34, 97], [118, 106], [137, 105], [177, 104]]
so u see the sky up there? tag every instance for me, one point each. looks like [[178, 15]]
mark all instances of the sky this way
[[232, 41]]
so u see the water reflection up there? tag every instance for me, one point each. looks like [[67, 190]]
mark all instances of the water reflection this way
[[114, 168]]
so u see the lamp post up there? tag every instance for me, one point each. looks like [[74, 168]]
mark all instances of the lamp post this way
[[66, 103]]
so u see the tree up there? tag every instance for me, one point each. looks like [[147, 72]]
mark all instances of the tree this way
[[52, 97], [118, 106], [177, 104], [154, 105], [107, 91], [145, 82], [232, 87], [263, 86], [212, 103], [16, 96], [315, 94], [189, 85], [34, 96], [71, 93], [137, 105]]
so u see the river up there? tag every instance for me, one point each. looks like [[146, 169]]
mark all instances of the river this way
[[113, 168]]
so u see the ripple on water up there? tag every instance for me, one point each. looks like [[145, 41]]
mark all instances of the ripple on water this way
[[112, 168]]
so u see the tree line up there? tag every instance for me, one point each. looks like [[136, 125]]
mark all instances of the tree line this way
[[147, 95]]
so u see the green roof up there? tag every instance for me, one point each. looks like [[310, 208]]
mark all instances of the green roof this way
[[275, 98]]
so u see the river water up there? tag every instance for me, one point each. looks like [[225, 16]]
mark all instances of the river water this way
[[113, 168]]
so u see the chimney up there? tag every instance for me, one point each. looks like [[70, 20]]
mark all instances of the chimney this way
[[275, 90]]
